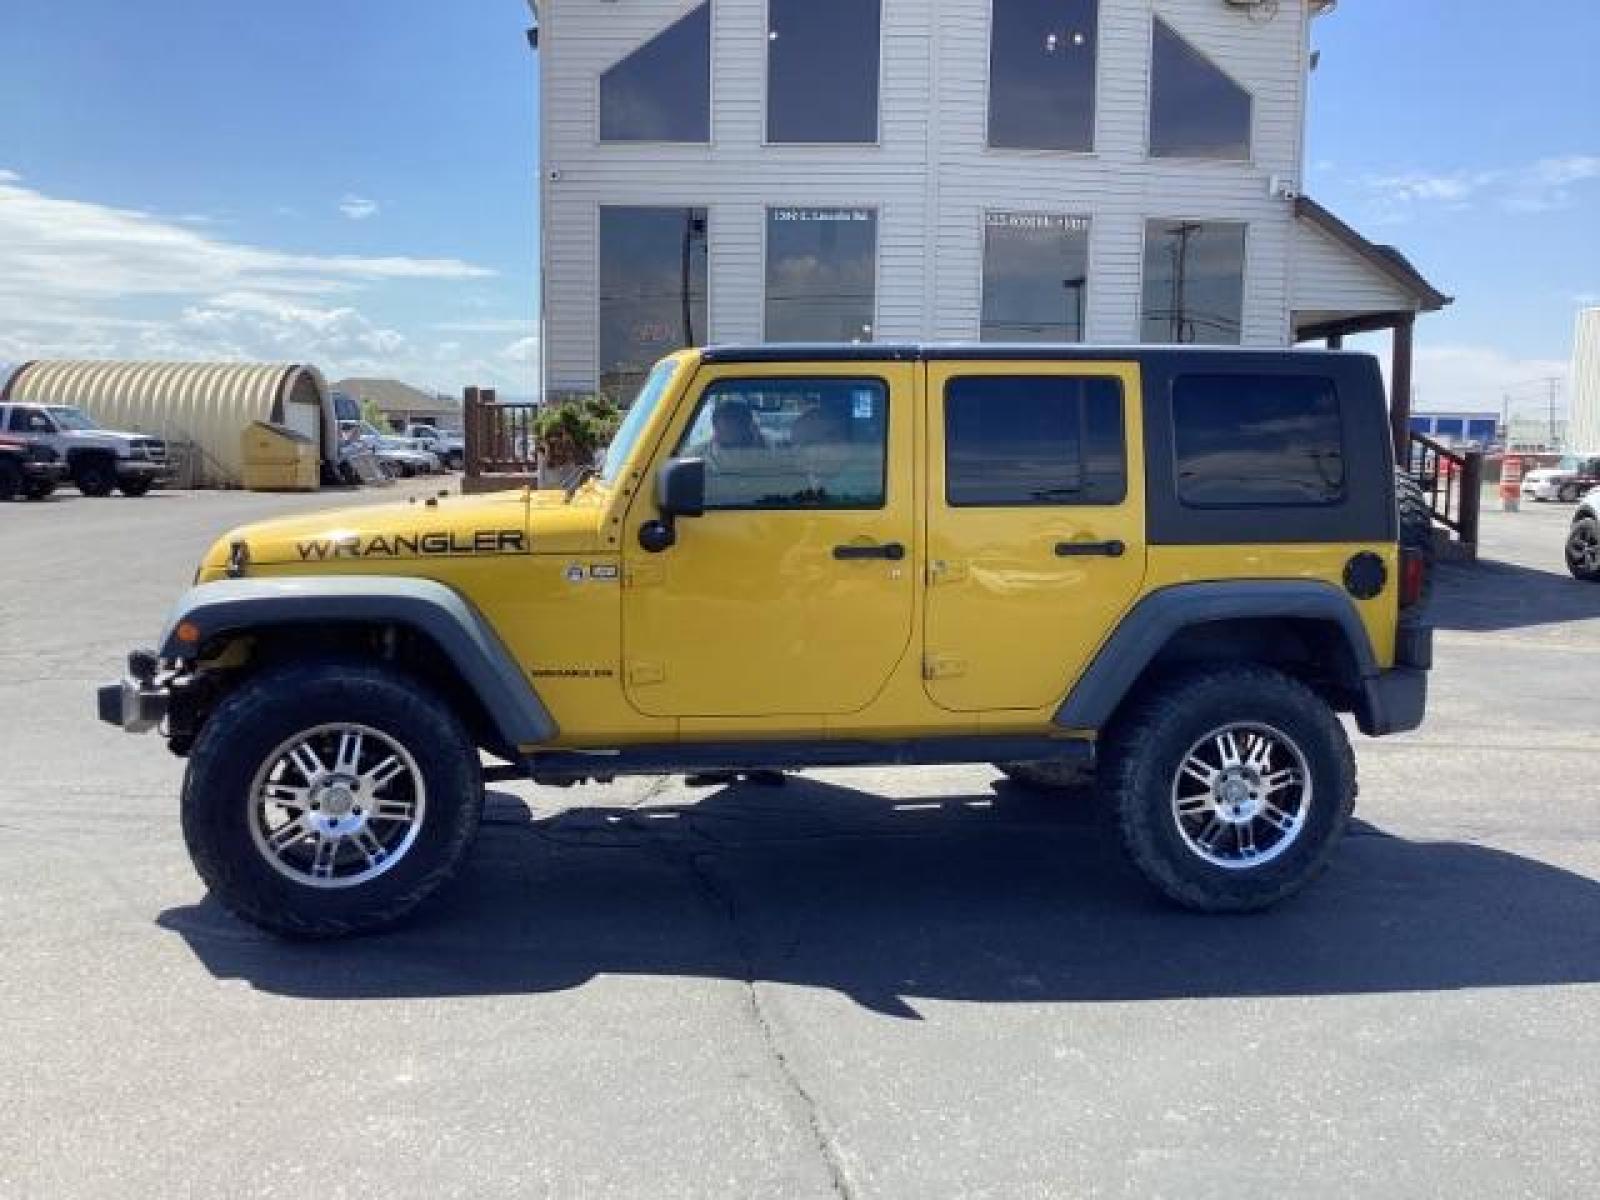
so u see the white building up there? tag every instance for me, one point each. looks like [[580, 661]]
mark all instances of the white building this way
[[1111, 171], [1585, 432]]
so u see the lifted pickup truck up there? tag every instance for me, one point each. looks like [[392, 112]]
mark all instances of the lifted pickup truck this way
[[1173, 566]]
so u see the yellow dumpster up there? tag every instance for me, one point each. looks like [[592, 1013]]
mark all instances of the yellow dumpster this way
[[279, 459]]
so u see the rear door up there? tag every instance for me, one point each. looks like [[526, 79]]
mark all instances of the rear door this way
[[1036, 540]]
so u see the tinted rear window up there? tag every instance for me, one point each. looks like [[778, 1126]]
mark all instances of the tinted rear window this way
[[1252, 440], [1015, 440]]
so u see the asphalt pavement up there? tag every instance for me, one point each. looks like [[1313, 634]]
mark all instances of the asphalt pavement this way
[[923, 983]]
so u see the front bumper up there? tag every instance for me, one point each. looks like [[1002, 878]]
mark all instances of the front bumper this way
[[1542, 490], [142, 468], [136, 703]]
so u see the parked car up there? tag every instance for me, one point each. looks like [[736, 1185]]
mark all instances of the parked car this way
[[1572, 478], [1583, 540], [99, 460], [451, 448], [28, 468], [1007, 555], [396, 454]]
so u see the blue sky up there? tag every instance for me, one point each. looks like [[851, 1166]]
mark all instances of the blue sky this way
[[353, 181]]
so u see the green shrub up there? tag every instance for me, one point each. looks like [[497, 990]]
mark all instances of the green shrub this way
[[572, 432]]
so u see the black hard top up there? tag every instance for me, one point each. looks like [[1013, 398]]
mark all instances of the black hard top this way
[[979, 352]]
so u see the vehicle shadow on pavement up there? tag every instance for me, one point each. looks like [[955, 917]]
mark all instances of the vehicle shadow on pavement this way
[[1488, 595], [990, 898]]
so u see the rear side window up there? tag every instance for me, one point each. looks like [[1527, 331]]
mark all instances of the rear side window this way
[[1021, 440], [1254, 440]]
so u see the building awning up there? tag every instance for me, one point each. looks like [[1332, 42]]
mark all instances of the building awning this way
[[1345, 283]]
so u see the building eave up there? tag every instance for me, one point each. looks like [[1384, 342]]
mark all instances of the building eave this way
[[1385, 259]]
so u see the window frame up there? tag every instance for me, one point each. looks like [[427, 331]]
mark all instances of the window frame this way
[[766, 91], [876, 209], [988, 146], [1245, 276], [1090, 274], [596, 138], [1116, 380], [599, 299], [1150, 104], [1245, 506], [886, 390]]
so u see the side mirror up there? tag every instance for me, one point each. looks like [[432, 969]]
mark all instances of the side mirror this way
[[680, 492]]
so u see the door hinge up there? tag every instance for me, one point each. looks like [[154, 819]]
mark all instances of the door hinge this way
[[645, 574], [943, 666], [942, 570], [646, 672]]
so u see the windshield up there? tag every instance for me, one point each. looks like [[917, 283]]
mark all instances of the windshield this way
[[71, 418], [638, 417]]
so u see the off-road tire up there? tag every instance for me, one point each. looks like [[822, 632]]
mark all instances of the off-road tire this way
[[94, 475], [1416, 526], [1584, 535], [11, 483], [256, 719], [134, 488], [1147, 746], [1056, 778], [39, 489]]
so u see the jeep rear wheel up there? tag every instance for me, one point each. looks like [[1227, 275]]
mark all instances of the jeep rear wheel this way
[[330, 799], [1232, 787], [94, 475], [1416, 526]]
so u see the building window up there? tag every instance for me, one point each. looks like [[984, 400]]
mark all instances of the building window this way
[[792, 443], [652, 290], [1042, 74], [1027, 440], [822, 70], [821, 274], [1248, 440], [662, 91], [1035, 277], [1196, 110], [1193, 282]]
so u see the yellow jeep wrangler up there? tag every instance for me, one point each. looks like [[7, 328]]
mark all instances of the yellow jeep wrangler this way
[[1170, 567]]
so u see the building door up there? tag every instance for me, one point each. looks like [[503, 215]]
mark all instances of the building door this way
[[1035, 526], [793, 595]]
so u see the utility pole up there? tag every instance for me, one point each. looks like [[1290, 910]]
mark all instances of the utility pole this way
[[1555, 385]]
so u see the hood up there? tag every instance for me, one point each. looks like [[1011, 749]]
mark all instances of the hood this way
[[389, 536]]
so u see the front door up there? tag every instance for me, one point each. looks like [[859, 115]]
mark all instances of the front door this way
[[1035, 525], [793, 594]]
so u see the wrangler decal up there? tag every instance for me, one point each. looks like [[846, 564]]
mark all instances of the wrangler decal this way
[[413, 545]]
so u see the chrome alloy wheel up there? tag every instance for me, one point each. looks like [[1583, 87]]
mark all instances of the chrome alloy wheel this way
[[1583, 548], [336, 806], [1241, 796]]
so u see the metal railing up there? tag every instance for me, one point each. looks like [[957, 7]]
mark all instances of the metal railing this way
[[1452, 481]]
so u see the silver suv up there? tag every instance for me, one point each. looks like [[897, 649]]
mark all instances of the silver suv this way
[[99, 460]]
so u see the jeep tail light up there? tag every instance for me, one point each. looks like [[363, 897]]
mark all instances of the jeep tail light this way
[[1413, 577]]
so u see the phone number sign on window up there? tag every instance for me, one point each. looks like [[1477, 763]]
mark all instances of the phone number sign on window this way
[[1038, 222], [822, 215]]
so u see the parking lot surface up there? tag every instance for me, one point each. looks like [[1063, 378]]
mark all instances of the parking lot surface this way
[[865, 983]]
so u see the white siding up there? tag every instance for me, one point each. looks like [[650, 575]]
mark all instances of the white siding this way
[[1330, 280], [1585, 435], [934, 110]]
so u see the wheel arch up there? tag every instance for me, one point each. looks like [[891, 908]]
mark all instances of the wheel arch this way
[[1309, 629], [418, 625]]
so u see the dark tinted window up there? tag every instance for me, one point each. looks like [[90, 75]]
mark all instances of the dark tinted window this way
[[1196, 111], [652, 290], [791, 443], [822, 70], [1193, 282], [1026, 440], [662, 91], [1042, 74], [821, 274], [1257, 439], [1035, 277]]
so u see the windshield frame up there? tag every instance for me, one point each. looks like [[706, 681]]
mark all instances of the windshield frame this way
[[645, 404]]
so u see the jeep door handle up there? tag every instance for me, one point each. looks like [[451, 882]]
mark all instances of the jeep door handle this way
[[893, 551], [1111, 549]]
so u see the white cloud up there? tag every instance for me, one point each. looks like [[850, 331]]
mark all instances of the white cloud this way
[[10, 177], [1454, 377], [487, 325], [358, 208], [1541, 186], [524, 351]]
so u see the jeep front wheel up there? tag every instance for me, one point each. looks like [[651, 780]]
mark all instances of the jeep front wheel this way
[[94, 475], [1232, 787], [330, 799]]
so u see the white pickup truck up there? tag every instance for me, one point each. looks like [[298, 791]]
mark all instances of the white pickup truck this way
[[99, 460], [450, 447]]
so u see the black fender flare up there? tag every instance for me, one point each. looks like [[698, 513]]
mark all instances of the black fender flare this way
[[444, 615], [1153, 622]]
